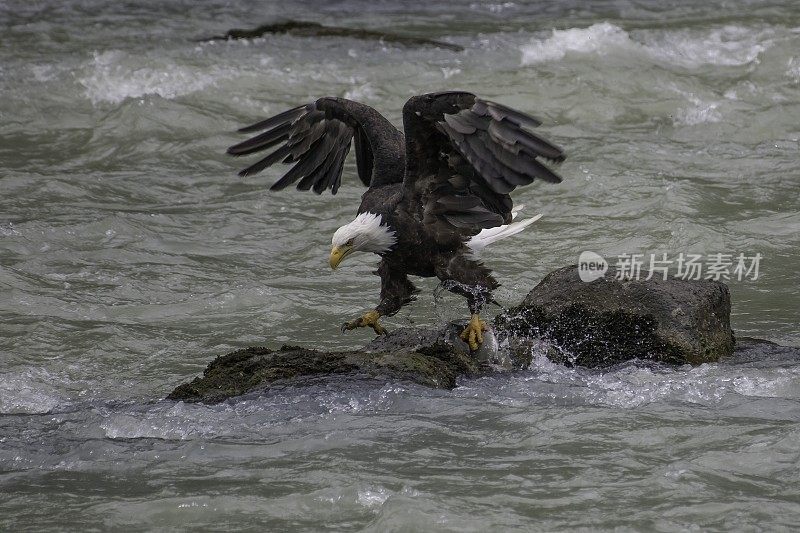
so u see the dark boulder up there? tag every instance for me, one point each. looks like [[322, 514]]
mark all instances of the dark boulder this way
[[412, 355], [608, 321]]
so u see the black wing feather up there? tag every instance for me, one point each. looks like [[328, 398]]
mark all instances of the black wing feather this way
[[364, 157], [288, 116], [500, 112], [268, 139], [304, 170], [316, 138], [509, 134], [270, 160], [465, 155]]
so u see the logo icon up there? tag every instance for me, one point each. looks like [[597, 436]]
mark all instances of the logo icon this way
[[591, 266]]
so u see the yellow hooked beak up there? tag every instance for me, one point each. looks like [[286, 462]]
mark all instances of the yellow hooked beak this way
[[338, 253]]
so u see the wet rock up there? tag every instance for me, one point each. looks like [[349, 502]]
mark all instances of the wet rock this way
[[402, 339], [412, 355], [314, 29], [608, 321], [597, 324], [762, 353]]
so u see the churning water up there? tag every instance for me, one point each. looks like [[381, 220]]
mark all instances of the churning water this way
[[131, 255]]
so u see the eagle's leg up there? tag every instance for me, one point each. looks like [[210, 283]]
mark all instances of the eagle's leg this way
[[477, 295], [473, 333], [370, 318], [469, 278], [396, 291]]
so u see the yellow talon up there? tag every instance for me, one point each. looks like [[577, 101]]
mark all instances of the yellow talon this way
[[473, 333], [370, 318]]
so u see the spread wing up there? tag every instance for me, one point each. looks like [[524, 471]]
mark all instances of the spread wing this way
[[465, 155], [316, 138]]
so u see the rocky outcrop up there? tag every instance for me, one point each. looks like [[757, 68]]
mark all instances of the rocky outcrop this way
[[314, 29], [608, 320], [595, 324], [412, 355]]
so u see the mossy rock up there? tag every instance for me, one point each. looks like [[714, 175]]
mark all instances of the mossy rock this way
[[411, 355]]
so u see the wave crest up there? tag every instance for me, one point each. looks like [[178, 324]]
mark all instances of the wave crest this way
[[115, 76], [724, 46], [596, 38]]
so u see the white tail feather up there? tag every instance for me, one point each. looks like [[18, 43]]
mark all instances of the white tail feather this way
[[488, 236]]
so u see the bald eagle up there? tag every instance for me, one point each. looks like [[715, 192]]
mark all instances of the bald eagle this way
[[436, 194]]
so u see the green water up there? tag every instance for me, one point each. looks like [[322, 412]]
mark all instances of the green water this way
[[131, 255]]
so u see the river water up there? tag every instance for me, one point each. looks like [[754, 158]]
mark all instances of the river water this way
[[131, 255]]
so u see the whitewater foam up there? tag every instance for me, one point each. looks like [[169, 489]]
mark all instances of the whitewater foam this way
[[373, 497], [28, 392], [723, 46], [793, 70], [632, 385], [114, 76], [597, 38], [699, 112], [362, 91], [169, 422]]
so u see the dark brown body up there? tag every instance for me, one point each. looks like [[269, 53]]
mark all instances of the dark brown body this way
[[418, 252]]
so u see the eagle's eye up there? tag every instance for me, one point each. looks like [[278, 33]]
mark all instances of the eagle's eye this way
[[349, 243]]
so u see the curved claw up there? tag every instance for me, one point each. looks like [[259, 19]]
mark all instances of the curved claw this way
[[370, 318], [473, 333]]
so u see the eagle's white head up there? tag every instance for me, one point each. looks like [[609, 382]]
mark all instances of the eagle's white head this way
[[364, 234]]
